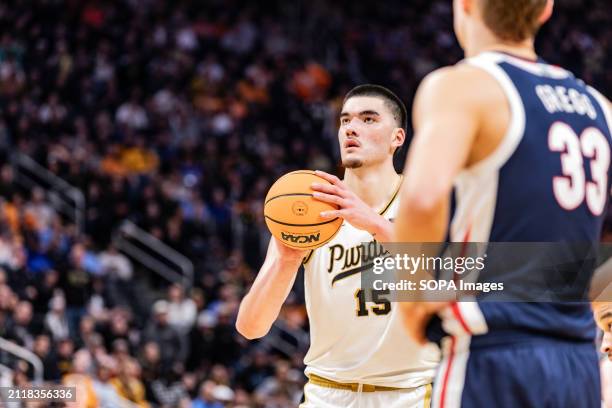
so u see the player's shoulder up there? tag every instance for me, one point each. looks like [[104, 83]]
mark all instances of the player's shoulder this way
[[462, 85], [462, 77], [451, 73]]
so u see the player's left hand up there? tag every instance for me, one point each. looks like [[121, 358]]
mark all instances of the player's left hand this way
[[416, 316], [351, 207]]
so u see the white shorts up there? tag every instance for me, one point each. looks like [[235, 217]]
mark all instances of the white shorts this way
[[317, 396]]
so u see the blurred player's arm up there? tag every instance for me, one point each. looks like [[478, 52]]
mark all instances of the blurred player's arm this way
[[447, 114], [262, 304], [446, 120]]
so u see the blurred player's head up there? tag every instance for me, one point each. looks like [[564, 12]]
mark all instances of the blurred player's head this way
[[509, 21], [603, 317], [372, 126]]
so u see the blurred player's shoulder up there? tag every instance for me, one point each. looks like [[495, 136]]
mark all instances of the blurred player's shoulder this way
[[462, 83], [463, 96]]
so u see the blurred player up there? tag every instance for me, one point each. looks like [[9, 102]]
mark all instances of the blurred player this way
[[359, 355], [526, 147]]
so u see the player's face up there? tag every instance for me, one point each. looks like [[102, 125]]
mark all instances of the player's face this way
[[366, 132], [603, 317]]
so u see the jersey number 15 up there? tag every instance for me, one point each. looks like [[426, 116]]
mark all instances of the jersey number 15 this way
[[383, 305]]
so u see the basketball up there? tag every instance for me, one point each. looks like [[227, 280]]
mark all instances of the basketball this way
[[292, 214]]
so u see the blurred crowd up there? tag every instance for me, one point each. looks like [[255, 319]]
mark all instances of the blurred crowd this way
[[178, 116]]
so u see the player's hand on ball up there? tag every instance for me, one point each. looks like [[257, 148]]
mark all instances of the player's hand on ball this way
[[286, 253], [351, 207]]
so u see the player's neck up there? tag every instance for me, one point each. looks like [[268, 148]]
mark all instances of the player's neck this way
[[373, 184], [482, 40]]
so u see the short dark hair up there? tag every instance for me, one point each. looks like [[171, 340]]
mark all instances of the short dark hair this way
[[513, 20], [391, 100]]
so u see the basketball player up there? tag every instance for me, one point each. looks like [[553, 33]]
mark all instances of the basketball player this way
[[526, 147], [359, 355]]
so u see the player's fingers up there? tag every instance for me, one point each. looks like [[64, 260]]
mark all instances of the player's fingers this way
[[328, 198], [329, 189], [331, 214], [329, 177]]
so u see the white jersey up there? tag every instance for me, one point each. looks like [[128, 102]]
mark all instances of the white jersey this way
[[352, 340]]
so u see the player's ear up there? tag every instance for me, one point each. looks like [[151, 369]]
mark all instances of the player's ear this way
[[399, 137], [547, 12]]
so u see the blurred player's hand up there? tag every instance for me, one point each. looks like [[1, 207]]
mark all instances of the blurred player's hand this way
[[416, 316], [352, 208]]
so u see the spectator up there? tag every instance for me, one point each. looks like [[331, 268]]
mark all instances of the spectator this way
[[150, 361], [65, 356], [226, 344], [223, 394], [41, 213], [77, 283], [181, 311], [80, 378], [87, 328], [203, 334], [206, 397], [128, 384], [105, 392], [281, 390], [132, 114], [8, 299], [42, 349], [256, 371], [98, 304], [56, 321], [118, 328], [166, 336], [20, 328], [169, 390], [45, 286], [116, 265]]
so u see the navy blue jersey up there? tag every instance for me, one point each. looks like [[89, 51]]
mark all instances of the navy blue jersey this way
[[547, 182]]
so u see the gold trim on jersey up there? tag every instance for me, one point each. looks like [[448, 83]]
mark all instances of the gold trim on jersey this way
[[397, 190], [382, 212], [428, 392], [324, 382]]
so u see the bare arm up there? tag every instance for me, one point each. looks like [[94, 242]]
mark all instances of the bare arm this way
[[446, 117], [446, 122], [262, 304]]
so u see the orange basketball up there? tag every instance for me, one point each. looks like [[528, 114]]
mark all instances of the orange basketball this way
[[292, 214]]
